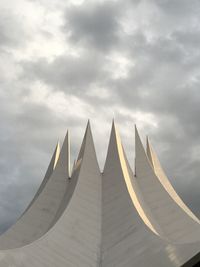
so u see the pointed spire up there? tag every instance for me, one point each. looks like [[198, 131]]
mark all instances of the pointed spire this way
[[139, 148], [138, 142], [137, 133], [115, 150], [112, 151], [152, 156], [64, 158], [162, 177], [53, 161], [87, 154], [113, 121], [48, 174], [57, 153], [140, 153], [73, 167], [121, 172], [115, 144], [114, 128], [87, 136], [88, 127], [51, 166], [149, 151]]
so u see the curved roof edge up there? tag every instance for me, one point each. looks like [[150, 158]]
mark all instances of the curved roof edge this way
[[44, 205], [176, 225], [165, 181]]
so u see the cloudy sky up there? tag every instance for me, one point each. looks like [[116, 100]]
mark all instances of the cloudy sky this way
[[62, 62]]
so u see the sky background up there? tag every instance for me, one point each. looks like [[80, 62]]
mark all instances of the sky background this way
[[62, 62]]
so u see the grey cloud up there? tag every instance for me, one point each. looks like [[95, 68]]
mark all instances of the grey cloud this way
[[189, 41], [25, 153], [95, 25], [163, 81], [178, 8], [12, 31], [68, 73]]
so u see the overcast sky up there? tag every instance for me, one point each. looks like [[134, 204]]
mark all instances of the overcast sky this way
[[62, 62]]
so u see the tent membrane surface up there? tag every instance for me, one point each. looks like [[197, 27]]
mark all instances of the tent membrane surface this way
[[114, 218]]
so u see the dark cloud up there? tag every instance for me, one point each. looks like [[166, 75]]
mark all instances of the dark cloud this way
[[68, 73], [94, 25], [137, 61], [178, 8]]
